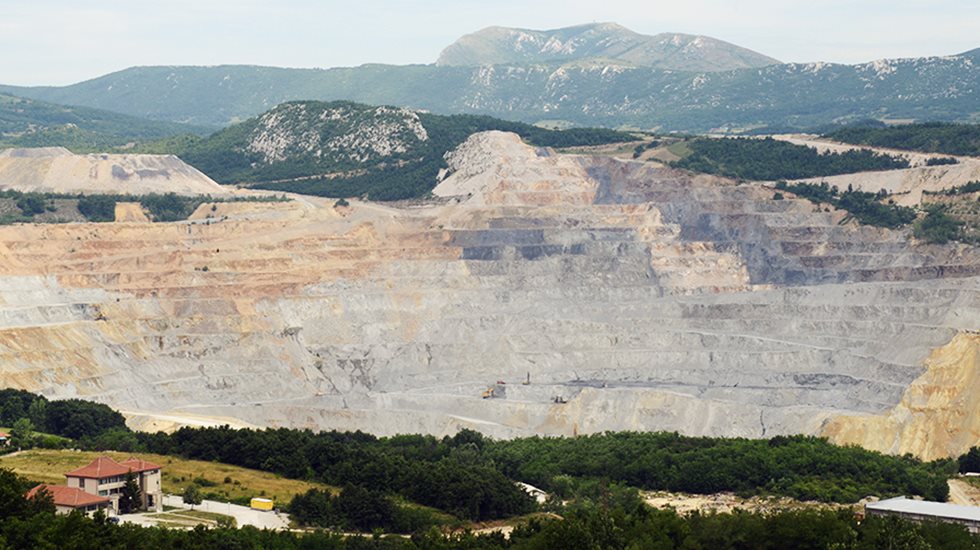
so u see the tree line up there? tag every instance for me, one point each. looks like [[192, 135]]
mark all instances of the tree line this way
[[769, 159], [928, 137], [32, 523], [866, 208], [165, 207], [472, 477], [69, 418]]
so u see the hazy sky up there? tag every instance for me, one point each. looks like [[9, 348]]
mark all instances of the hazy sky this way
[[65, 41]]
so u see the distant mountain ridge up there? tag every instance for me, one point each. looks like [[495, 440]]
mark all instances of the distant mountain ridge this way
[[608, 42], [584, 92]]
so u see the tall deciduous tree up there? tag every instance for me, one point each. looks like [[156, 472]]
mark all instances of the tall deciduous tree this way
[[22, 433], [192, 495]]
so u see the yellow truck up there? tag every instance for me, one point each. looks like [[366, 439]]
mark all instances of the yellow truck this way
[[261, 504]]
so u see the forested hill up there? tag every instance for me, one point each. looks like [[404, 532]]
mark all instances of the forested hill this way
[[935, 137], [593, 93], [32, 123], [343, 149]]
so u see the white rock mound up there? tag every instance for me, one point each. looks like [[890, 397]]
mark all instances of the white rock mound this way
[[497, 168], [58, 170]]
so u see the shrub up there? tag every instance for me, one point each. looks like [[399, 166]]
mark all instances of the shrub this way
[[203, 482], [970, 462], [31, 205], [938, 227], [98, 208]]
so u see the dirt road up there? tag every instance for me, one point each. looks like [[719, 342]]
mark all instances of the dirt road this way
[[961, 492]]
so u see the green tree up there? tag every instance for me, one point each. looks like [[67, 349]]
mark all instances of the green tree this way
[[130, 498], [938, 227], [37, 412], [98, 208], [31, 204], [22, 433], [364, 509], [970, 462], [192, 495]]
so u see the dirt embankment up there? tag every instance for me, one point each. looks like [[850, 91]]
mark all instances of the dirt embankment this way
[[56, 170]]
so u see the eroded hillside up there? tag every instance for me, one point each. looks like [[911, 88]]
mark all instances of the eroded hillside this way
[[628, 295]]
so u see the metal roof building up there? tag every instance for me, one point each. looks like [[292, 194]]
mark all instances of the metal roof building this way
[[922, 510]]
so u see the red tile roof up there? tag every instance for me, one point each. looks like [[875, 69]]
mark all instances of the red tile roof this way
[[4, 435], [139, 465], [71, 497], [99, 468], [106, 467]]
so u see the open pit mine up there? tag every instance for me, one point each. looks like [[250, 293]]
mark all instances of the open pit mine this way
[[537, 293]]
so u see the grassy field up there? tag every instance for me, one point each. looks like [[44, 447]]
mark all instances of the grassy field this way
[[680, 148], [49, 466]]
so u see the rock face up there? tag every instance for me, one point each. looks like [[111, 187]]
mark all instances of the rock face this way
[[336, 132], [937, 417], [57, 170], [606, 42], [634, 297]]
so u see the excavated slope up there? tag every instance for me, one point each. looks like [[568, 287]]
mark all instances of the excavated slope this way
[[58, 170], [908, 185], [644, 298]]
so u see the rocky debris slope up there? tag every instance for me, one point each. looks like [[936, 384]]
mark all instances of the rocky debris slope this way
[[630, 296], [57, 170]]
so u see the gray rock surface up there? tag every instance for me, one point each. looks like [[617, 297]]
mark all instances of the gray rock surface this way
[[634, 297]]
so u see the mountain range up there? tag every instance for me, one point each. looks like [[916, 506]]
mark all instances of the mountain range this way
[[607, 42], [607, 77]]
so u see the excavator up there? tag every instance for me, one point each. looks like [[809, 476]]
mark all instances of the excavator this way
[[488, 393]]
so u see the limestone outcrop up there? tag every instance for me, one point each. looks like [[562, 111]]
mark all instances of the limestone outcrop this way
[[632, 296]]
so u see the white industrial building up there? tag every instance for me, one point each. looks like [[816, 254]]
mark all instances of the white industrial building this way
[[922, 510]]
